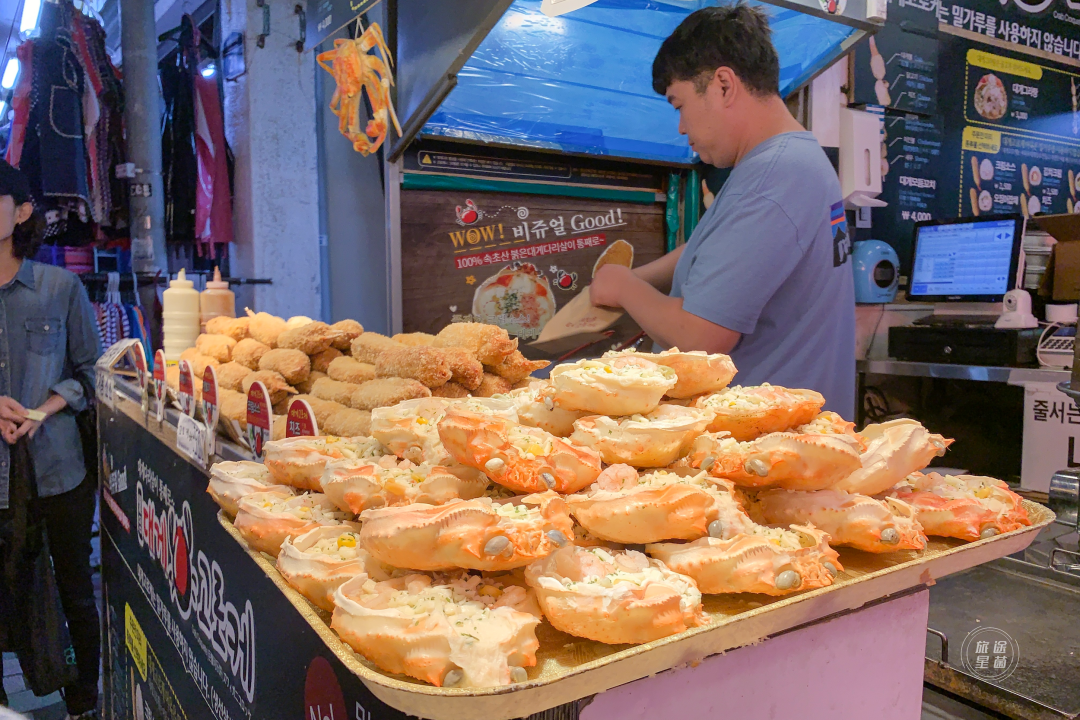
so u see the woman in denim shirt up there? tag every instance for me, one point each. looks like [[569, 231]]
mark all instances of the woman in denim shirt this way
[[48, 347]]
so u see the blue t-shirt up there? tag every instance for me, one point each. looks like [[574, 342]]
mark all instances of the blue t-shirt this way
[[771, 259]]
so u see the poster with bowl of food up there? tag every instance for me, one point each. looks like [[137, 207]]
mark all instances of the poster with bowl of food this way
[[991, 98], [518, 298]]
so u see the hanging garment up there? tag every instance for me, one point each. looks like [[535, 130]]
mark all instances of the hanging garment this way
[[20, 103], [213, 200], [61, 147], [179, 167]]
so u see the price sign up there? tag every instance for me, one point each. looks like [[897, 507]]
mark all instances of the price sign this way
[[187, 389], [159, 385], [210, 410], [191, 439], [300, 421], [105, 386], [142, 374], [260, 418]]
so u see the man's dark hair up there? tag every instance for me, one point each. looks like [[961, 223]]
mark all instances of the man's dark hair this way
[[735, 36], [27, 236]]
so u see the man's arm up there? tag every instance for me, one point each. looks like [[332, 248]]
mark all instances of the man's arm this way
[[659, 272]]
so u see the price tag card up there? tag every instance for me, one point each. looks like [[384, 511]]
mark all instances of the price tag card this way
[[210, 410], [105, 386], [191, 439], [300, 421], [159, 386], [260, 419], [187, 389]]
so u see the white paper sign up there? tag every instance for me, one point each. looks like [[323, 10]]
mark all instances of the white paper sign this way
[[191, 439], [1051, 435], [105, 385]]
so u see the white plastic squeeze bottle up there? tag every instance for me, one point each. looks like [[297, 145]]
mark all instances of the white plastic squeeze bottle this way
[[216, 300], [180, 316]]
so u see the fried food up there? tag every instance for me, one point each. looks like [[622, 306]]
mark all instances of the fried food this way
[[236, 328], [347, 422], [274, 382], [310, 339], [318, 562], [297, 321], [334, 391], [489, 343], [249, 351], [231, 375], [492, 385], [293, 365], [345, 332], [367, 347], [628, 385], [198, 361], [322, 409], [233, 405], [282, 408], [346, 369], [465, 369], [265, 327], [384, 392], [278, 432], [320, 362], [619, 252], [414, 339], [306, 385], [450, 390], [218, 347], [427, 365], [515, 367]]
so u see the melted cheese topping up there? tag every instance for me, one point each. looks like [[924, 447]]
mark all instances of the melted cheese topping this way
[[531, 442], [629, 368], [465, 600]]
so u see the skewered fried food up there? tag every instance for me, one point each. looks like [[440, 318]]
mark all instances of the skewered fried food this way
[[367, 347], [231, 375], [310, 339], [320, 361], [249, 352], [306, 385], [265, 327], [450, 390], [293, 365], [489, 343], [297, 321], [236, 328], [347, 422], [384, 392], [218, 347], [414, 339], [322, 408], [515, 367], [425, 364], [492, 385], [465, 369], [274, 382], [346, 369], [346, 331], [233, 405], [198, 361], [334, 391]]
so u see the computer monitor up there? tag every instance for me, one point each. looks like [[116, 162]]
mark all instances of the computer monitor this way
[[966, 259]]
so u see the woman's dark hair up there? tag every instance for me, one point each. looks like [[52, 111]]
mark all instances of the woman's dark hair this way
[[27, 236], [735, 36]]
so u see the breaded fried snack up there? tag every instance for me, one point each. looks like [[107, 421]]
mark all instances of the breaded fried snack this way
[[367, 347], [347, 422], [306, 385], [425, 364], [346, 331], [218, 347], [346, 369], [274, 382], [489, 343], [465, 369], [321, 361], [334, 391], [293, 365], [515, 367], [414, 339], [310, 339], [249, 351], [297, 321], [265, 327], [231, 375], [322, 408], [236, 328], [492, 385], [387, 391], [450, 390], [198, 361], [233, 405]]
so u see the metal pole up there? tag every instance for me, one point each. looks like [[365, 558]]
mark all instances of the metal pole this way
[[142, 113]]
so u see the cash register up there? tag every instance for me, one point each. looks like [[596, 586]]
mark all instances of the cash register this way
[[966, 267]]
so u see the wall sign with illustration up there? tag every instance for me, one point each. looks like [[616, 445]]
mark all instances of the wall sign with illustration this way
[[897, 68], [507, 259]]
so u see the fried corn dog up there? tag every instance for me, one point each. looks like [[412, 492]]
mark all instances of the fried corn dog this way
[[384, 392], [347, 422], [346, 331], [278, 431], [231, 376], [236, 328], [274, 382], [219, 347], [428, 365], [516, 367], [320, 362], [492, 385], [414, 339], [306, 385], [293, 365], [265, 327], [451, 390], [489, 343], [233, 405], [198, 361], [465, 369], [322, 408], [248, 352], [334, 390], [346, 369], [172, 377], [309, 339], [282, 408], [368, 347]]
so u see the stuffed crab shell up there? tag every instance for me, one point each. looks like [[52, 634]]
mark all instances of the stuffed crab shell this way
[[787, 460], [876, 526], [969, 507], [480, 534], [452, 630], [265, 519], [536, 408], [654, 440], [319, 561], [894, 450], [698, 372], [230, 481], [522, 458], [749, 412], [300, 461], [612, 596], [829, 423], [625, 507], [622, 385], [410, 428], [764, 560], [359, 485]]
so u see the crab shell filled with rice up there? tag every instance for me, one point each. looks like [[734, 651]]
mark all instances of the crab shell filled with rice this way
[[613, 596], [300, 461], [410, 428], [450, 630], [265, 519], [319, 561], [698, 372], [480, 534], [230, 481], [536, 408], [612, 386], [656, 439], [359, 485], [969, 507], [749, 412]]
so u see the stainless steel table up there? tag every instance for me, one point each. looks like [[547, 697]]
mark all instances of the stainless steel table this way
[[983, 373]]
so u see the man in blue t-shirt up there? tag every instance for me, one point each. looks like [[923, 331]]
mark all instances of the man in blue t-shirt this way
[[766, 275]]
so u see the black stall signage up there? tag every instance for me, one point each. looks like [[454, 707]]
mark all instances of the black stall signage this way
[[911, 151], [898, 67]]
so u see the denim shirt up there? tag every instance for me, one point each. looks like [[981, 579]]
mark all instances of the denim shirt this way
[[48, 344]]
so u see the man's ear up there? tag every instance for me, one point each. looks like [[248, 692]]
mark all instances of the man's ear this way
[[726, 82], [23, 212]]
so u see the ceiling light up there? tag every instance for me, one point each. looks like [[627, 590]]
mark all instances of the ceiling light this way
[[208, 71], [30, 14], [11, 74]]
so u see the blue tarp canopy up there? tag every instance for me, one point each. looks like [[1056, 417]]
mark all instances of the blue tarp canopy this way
[[582, 82]]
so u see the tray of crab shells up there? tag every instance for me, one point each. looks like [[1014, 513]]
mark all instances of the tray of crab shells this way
[[504, 555]]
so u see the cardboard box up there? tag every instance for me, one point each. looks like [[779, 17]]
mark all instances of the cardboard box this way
[[1062, 279]]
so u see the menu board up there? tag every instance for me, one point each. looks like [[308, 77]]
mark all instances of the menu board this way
[[897, 66]]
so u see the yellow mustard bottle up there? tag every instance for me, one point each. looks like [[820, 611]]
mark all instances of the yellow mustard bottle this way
[[180, 316], [216, 300]]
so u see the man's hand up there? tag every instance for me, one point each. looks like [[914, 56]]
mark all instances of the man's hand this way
[[11, 411], [610, 285]]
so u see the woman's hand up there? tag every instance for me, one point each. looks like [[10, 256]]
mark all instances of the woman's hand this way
[[50, 407], [9, 431], [11, 411]]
